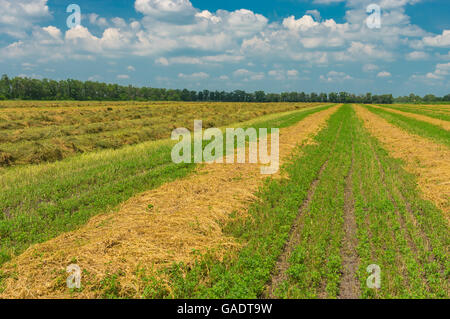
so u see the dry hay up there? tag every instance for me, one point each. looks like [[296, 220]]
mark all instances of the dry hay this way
[[429, 161], [444, 124], [151, 230]]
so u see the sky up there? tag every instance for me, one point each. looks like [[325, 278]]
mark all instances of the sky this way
[[271, 45]]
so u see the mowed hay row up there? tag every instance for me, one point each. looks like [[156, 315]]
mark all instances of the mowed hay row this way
[[67, 114], [444, 124], [427, 160], [445, 107], [438, 112], [34, 135], [151, 230]]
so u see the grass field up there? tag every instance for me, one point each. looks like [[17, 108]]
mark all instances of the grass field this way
[[93, 183]]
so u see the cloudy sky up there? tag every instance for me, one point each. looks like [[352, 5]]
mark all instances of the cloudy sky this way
[[274, 45]]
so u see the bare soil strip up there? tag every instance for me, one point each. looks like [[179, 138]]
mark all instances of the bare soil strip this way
[[153, 230], [444, 124], [350, 286], [429, 161]]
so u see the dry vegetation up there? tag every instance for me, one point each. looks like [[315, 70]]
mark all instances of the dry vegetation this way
[[37, 132]]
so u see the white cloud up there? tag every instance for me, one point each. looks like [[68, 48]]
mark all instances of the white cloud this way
[[131, 68], [241, 72], [442, 40], [384, 74], [95, 19], [417, 55], [441, 71], [292, 73], [370, 67], [17, 16], [162, 61], [198, 76], [164, 8], [282, 74], [334, 76], [123, 76], [246, 75], [303, 24]]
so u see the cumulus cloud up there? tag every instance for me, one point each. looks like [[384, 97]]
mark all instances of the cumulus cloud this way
[[195, 76], [334, 76], [417, 55], [442, 40], [441, 71], [17, 16], [384, 74], [282, 74], [165, 9]]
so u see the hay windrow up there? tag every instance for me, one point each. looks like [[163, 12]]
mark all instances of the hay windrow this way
[[151, 230], [444, 124], [429, 161]]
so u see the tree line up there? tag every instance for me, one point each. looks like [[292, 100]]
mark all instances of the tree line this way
[[24, 88]]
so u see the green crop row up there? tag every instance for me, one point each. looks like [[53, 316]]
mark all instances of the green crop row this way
[[316, 263]]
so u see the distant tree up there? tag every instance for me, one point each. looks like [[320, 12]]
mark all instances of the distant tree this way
[[260, 96]]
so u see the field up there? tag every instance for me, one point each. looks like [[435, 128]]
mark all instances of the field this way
[[93, 184]]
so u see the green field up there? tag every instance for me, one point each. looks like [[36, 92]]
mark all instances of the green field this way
[[341, 204]]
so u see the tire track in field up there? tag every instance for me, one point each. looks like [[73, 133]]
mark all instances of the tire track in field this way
[[349, 286], [441, 123], [155, 229], [282, 264], [424, 158]]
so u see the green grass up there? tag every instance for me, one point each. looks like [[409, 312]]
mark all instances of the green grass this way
[[39, 202], [316, 263], [421, 111], [405, 235], [414, 126]]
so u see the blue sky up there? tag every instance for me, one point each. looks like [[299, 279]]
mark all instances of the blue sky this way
[[276, 45]]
